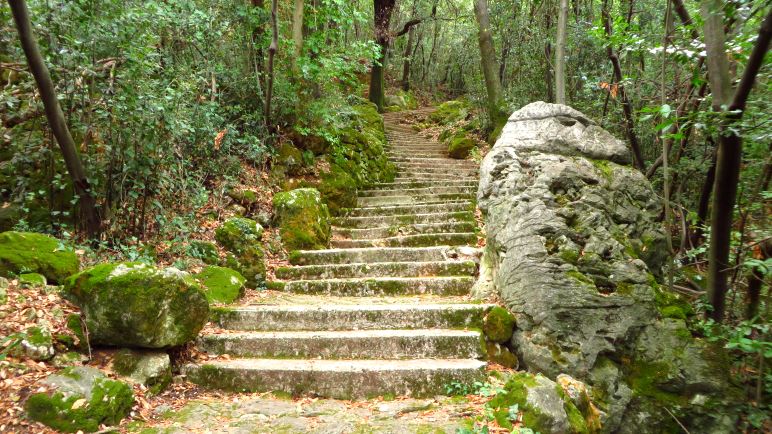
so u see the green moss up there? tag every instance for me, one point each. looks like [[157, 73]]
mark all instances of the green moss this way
[[238, 234], [604, 167], [450, 112], [643, 379], [576, 419], [32, 280], [669, 304], [460, 147], [498, 324], [516, 392], [222, 285], [580, 277], [203, 250], [109, 402], [25, 252], [289, 158], [75, 325], [338, 189], [304, 221]]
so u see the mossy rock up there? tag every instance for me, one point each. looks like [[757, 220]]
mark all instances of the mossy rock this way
[[9, 215], [32, 280], [500, 354], [460, 147], [250, 263], [498, 325], [450, 112], [290, 158], [222, 285], [137, 305], [27, 252], [304, 221], [152, 369], [238, 234], [38, 343], [75, 325], [204, 250], [338, 189], [80, 399]]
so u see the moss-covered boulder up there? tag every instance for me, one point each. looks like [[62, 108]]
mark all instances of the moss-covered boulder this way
[[338, 189], [27, 252], [460, 146], [250, 263], [221, 284], [79, 399], [289, 159], [498, 325], [151, 369], [203, 250], [450, 112], [137, 305], [238, 234], [32, 280], [539, 404], [304, 221]]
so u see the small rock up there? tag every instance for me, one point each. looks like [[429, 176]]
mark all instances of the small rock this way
[[70, 358], [222, 285], [152, 369], [396, 408], [498, 325], [38, 344], [32, 280], [79, 399]]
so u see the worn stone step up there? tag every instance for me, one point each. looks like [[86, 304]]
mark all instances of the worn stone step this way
[[447, 173], [419, 160], [414, 199], [438, 167], [424, 208], [420, 184], [380, 269], [397, 315], [376, 286], [419, 191], [415, 240], [402, 219], [391, 344], [421, 154], [401, 230], [340, 379]]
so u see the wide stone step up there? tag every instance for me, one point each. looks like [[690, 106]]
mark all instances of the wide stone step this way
[[378, 286], [347, 344], [350, 317], [418, 160], [424, 167], [425, 208], [341, 379], [403, 219], [415, 199], [421, 154], [401, 230], [421, 184], [379, 269], [415, 240], [373, 254], [437, 189]]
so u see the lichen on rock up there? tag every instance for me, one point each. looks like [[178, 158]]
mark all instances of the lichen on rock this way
[[134, 304], [79, 399], [304, 221], [27, 252], [575, 249]]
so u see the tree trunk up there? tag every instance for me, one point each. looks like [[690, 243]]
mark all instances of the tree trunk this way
[[560, 54], [297, 33], [488, 61], [271, 55], [730, 144], [382, 19], [406, 60], [56, 121]]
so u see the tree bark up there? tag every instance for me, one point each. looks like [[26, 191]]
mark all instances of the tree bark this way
[[271, 55], [560, 54], [730, 143], [297, 33], [488, 63], [382, 20], [56, 121]]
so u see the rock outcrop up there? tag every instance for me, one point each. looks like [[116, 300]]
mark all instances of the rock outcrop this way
[[27, 252], [574, 250]]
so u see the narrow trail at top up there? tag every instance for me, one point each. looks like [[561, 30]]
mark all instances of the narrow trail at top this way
[[385, 311]]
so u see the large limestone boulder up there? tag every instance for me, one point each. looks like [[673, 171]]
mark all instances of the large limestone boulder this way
[[574, 250], [79, 399], [137, 305], [36, 253]]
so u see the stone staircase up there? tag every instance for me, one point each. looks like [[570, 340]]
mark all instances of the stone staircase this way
[[385, 311]]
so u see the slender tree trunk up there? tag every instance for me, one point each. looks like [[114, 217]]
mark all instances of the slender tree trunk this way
[[560, 54], [56, 121], [406, 60], [548, 74], [297, 33], [730, 143], [382, 19], [271, 55], [488, 61]]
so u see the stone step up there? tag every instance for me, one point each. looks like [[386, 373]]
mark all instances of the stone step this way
[[408, 149], [340, 379], [419, 154], [415, 240], [397, 230], [470, 167], [420, 184], [437, 189], [347, 344], [419, 160], [379, 269], [378, 286], [368, 221], [415, 199], [424, 208], [350, 317]]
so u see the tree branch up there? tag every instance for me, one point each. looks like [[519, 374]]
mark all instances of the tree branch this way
[[408, 25]]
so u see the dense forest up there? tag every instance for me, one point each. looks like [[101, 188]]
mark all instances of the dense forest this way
[[131, 130]]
